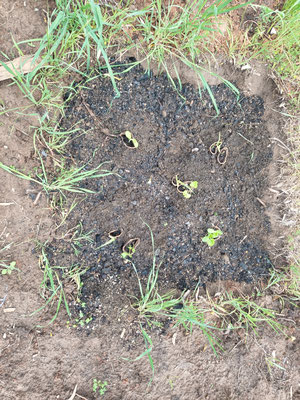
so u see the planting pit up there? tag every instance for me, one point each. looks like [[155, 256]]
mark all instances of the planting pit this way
[[175, 138]]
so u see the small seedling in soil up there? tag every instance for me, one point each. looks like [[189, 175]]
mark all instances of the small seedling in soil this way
[[212, 236], [185, 188], [129, 140], [8, 268], [129, 248], [82, 320], [99, 386]]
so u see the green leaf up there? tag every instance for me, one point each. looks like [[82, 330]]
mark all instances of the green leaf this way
[[194, 185], [135, 143], [186, 194], [4, 271], [209, 230], [211, 242], [128, 134], [205, 239]]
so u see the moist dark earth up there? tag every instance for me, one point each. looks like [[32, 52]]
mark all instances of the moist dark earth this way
[[174, 131]]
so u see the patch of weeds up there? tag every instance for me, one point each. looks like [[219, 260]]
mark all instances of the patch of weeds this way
[[79, 237], [54, 282], [186, 188], [68, 180], [243, 313], [212, 236], [275, 40], [151, 306], [7, 269], [191, 315], [99, 387], [285, 283], [81, 32], [82, 320], [167, 31]]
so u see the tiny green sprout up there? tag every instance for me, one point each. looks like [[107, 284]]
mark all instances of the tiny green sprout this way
[[100, 387], [129, 248], [129, 253], [194, 184], [185, 188], [186, 194], [212, 236], [132, 141], [8, 268]]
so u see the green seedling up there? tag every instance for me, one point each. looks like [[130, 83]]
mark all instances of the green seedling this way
[[212, 236], [129, 140], [128, 253], [129, 248], [185, 188], [82, 320], [99, 387], [7, 269]]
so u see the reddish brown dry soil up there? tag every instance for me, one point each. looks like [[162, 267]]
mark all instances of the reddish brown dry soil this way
[[47, 363]]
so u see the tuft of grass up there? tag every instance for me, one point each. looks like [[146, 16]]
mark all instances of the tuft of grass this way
[[244, 313], [276, 41], [192, 315], [52, 138], [151, 306], [285, 283], [151, 303], [68, 180], [82, 32], [169, 32], [53, 285]]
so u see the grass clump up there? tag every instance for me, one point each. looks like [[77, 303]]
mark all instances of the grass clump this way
[[81, 34], [243, 312], [153, 307], [276, 41], [68, 180], [54, 282], [285, 284]]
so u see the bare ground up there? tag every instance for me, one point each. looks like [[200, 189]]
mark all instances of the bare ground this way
[[48, 363]]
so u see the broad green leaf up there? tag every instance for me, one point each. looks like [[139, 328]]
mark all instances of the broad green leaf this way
[[194, 185]]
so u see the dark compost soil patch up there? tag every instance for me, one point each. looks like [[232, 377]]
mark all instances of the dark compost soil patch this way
[[174, 137]]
